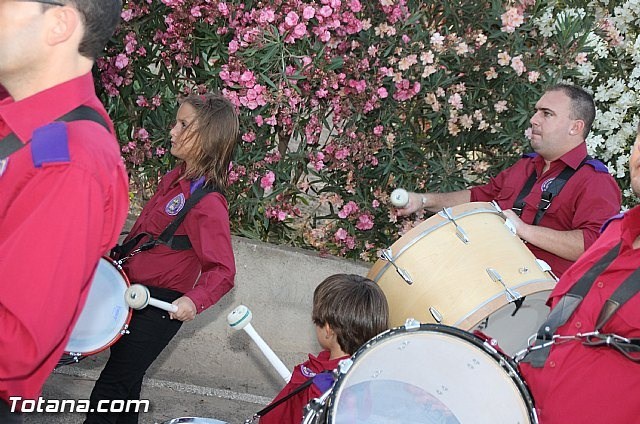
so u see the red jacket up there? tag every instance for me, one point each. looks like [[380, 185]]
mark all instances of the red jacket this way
[[291, 411]]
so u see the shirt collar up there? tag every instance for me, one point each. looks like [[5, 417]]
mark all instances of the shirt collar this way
[[26, 115], [575, 156], [631, 225]]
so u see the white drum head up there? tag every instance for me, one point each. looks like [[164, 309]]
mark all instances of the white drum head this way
[[105, 312], [433, 374]]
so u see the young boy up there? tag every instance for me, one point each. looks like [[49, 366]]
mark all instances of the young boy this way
[[348, 310]]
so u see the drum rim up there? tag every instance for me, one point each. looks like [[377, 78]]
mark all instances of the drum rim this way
[[124, 324], [502, 359]]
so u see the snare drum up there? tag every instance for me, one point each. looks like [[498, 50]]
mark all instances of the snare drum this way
[[426, 373], [459, 267], [105, 316]]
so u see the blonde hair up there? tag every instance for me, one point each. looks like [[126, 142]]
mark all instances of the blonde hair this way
[[215, 130]]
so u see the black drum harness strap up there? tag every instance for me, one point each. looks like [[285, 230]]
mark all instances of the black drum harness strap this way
[[537, 355], [180, 242], [11, 143], [294, 392], [547, 195]]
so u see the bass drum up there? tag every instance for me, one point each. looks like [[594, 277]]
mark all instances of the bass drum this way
[[426, 373], [465, 267]]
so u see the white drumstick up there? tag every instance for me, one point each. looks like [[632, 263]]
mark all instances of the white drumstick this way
[[399, 198], [138, 297], [240, 318]]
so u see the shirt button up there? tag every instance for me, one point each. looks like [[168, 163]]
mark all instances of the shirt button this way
[[552, 364], [600, 284], [578, 324]]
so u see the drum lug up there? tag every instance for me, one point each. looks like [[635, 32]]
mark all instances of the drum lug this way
[[436, 314], [510, 226], [125, 330], [462, 235], [387, 255], [512, 295], [344, 365], [75, 355], [411, 324], [546, 268]]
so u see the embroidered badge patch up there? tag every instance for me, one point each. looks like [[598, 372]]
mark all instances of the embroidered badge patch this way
[[3, 165], [306, 371], [175, 205], [546, 184]]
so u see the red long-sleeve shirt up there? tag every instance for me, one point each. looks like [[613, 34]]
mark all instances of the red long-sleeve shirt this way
[[588, 199], [205, 272], [55, 222]]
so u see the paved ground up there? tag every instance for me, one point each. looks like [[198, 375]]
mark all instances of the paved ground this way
[[167, 400]]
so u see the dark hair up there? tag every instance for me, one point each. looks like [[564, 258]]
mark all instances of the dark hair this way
[[216, 128], [354, 307], [100, 18], [582, 105]]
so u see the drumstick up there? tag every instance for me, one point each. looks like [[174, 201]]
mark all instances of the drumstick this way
[[399, 198], [138, 297], [240, 319]]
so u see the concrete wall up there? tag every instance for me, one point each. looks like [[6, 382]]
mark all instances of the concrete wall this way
[[276, 284]]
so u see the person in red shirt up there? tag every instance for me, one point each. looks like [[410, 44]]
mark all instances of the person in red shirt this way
[[348, 310], [63, 185], [581, 376], [560, 125], [192, 277]]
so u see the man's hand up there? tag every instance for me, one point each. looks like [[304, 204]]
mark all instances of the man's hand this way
[[413, 205], [186, 309], [515, 219]]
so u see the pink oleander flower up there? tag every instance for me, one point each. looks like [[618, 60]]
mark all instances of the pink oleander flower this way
[[308, 13], [504, 59], [456, 101], [491, 74], [364, 222], [501, 106], [121, 61], [349, 209], [340, 235], [511, 20], [581, 58], [533, 76], [518, 65], [267, 181]]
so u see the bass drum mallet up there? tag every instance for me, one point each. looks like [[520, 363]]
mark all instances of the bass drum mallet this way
[[240, 319], [137, 296]]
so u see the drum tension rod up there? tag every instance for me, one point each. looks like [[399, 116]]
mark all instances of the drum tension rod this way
[[462, 235], [387, 255], [512, 295]]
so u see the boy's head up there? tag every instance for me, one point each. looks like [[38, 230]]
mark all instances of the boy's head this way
[[354, 307]]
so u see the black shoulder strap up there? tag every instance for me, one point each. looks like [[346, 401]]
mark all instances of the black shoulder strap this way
[[297, 390], [547, 195], [182, 242], [167, 236], [11, 143], [518, 205]]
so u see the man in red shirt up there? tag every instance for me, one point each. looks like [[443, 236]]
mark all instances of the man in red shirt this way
[[63, 185], [578, 378], [590, 196]]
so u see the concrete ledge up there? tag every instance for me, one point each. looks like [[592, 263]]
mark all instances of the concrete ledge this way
[[276, 283]]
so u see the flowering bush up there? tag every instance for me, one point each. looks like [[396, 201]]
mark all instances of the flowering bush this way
[[342, 101]]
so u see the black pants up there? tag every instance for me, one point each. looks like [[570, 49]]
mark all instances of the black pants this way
[[150, 330], [6, 416]]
